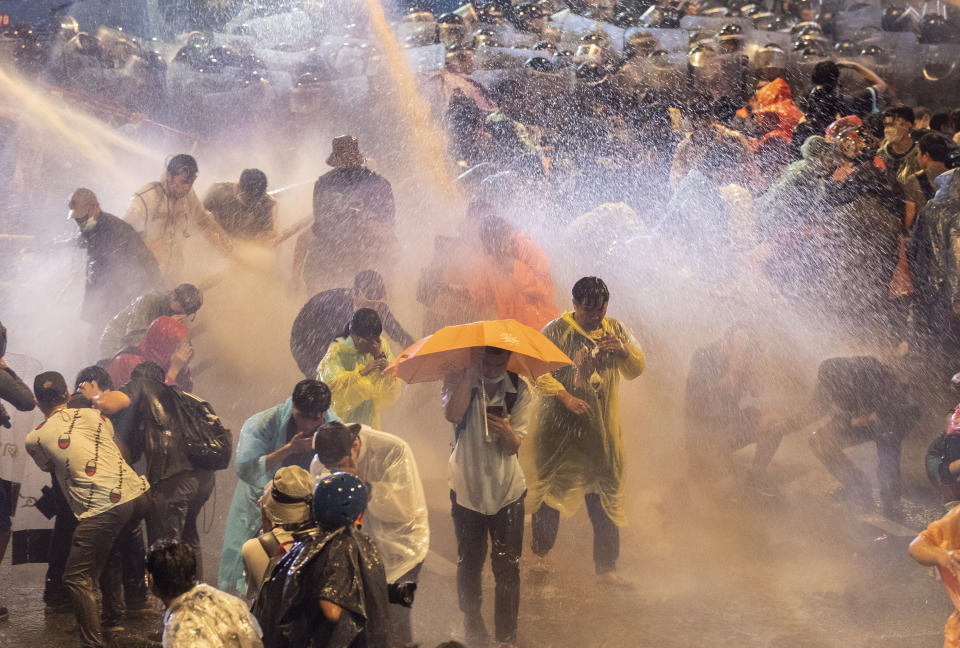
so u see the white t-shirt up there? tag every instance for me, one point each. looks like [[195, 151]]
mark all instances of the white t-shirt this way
[[77, 446]]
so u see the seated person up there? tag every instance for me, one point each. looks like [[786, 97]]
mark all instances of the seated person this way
[[285, 510], [196, 613], [330, 589]]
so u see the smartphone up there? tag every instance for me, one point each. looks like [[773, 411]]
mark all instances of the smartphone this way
[[497, 410]]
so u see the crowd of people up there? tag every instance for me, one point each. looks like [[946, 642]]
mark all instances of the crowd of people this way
[[837, 202]]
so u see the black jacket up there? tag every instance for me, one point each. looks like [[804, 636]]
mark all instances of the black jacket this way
[[149, 428], [120, 268]]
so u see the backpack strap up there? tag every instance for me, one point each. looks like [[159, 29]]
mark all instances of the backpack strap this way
[[270, 544], [509, 400]]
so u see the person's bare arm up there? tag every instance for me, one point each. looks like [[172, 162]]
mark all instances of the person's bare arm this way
[[869, 75], [109, 402], [928, 554], [301, 442], [331, 611], [457, 390]]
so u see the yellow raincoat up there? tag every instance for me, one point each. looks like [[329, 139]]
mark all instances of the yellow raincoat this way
[[583, 453], [945, 533], [356, 398]]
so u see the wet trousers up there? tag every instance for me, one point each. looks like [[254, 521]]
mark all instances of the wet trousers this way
[[606, 534], [505, 529], [829, 441], [175, 504], [400, 615], [90, 553], [130, 552]]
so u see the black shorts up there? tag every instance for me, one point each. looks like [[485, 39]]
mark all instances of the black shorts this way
[[8, 491]]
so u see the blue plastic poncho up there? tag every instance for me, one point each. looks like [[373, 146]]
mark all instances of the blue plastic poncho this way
[[262, 434]]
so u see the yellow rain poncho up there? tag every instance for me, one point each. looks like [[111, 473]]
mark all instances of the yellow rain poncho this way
[[583, 453], [356, 398]]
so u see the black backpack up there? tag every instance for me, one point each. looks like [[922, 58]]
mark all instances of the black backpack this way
[[207, 443]]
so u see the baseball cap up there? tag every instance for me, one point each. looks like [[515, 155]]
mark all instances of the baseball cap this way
[[286, 498]]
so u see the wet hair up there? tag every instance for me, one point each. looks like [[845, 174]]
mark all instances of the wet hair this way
[[311, 397], [96, 374], [365, 323], [173, 566], [955, 118], [826, 74], [369, 283], [900, 112], [937, 146], [591, 291], [181, 164], [939, 120], [189, 296], [149, 370], [253, 182]]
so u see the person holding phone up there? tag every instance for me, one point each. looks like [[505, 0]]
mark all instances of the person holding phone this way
[[279, 436], [489, 407]]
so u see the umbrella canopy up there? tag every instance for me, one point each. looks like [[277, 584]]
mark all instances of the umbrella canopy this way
[[430, 359]]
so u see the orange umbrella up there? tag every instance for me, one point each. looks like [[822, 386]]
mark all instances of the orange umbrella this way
[[431, 358]]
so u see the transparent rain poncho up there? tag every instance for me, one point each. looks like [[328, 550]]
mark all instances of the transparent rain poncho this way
[[396, 515], [583, 453], [205, 617], [356, 398]]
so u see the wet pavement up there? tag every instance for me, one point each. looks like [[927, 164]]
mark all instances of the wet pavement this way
[[784, 572]]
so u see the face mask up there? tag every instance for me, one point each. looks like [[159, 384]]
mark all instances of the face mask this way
[[88, 225]]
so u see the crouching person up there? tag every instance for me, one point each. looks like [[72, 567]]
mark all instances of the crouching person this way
[[396, 516], [330, 589], [105, 494], [285, 510], [197, 614]]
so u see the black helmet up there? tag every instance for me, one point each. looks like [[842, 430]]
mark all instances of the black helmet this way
[[225, 56], [449, 19], [893, 19], [538, 64], [338, 501], [626, 19], [935, 29], [211, 64], [846, 48], [730, 29], [591, 73], [875, 52], [190, 55], [308, 79]]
